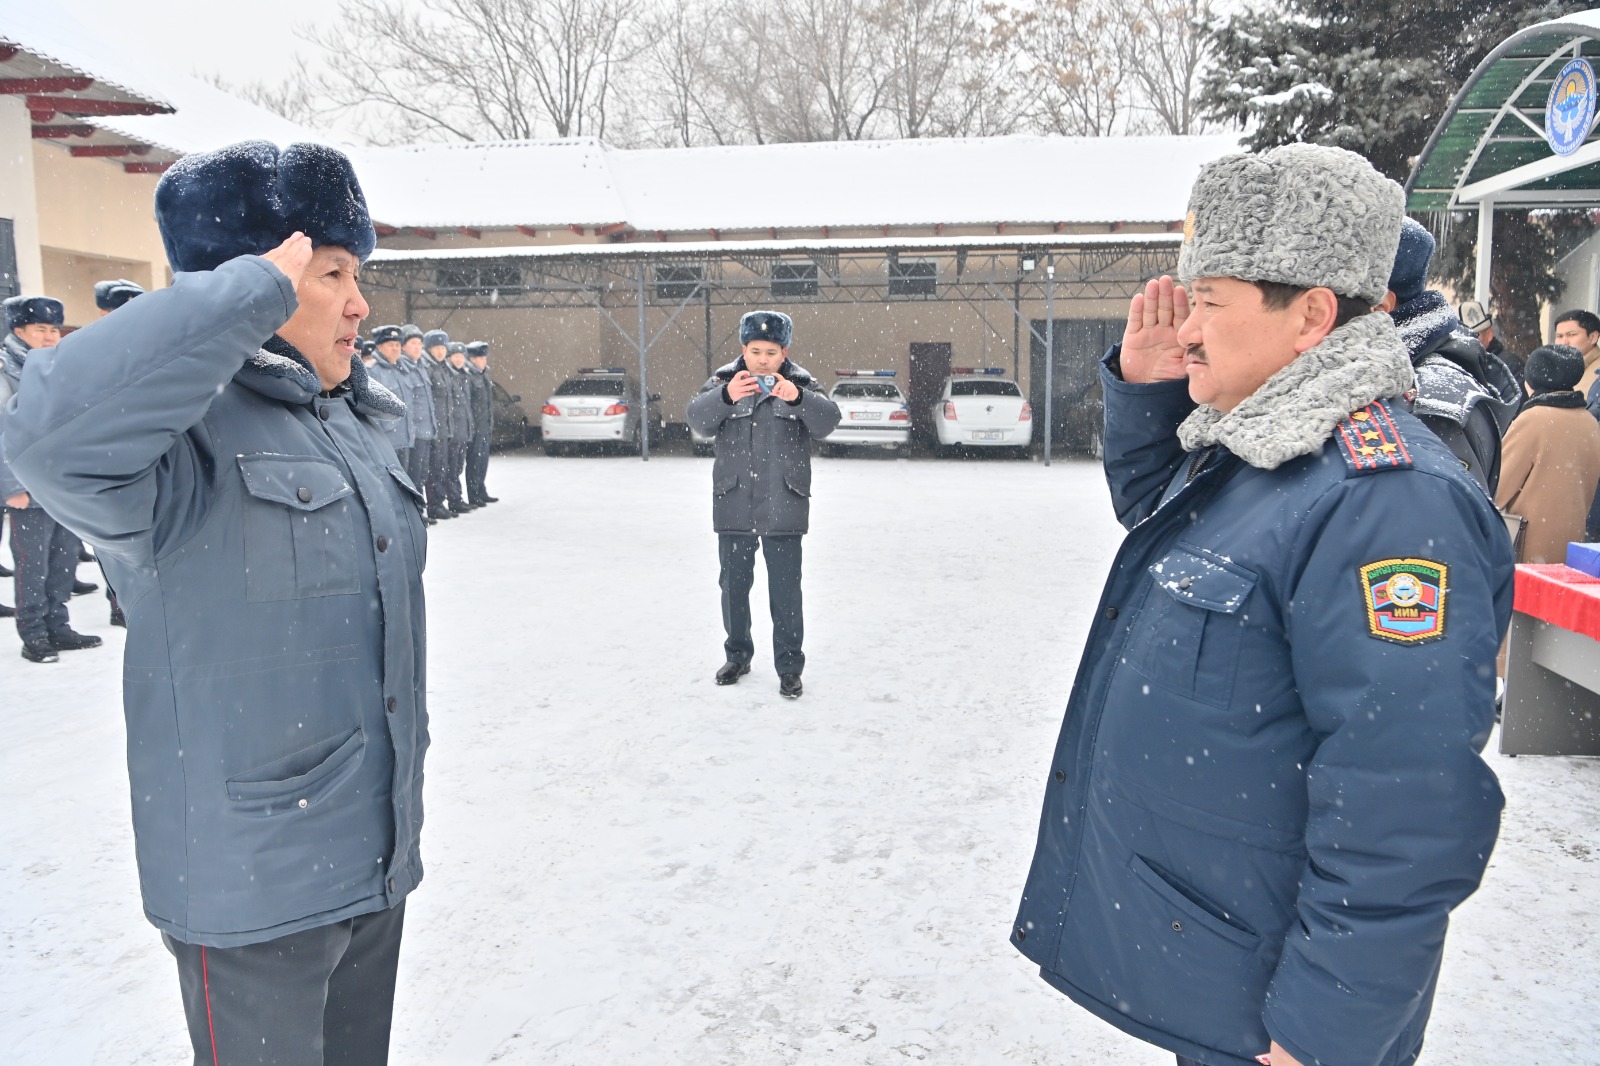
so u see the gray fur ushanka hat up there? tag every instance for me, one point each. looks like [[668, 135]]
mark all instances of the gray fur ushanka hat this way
[[1303, 215]]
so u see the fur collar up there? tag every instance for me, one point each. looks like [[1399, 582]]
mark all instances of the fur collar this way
[[1295, 412], [1555, 398], [1425, 321], [280, 372]]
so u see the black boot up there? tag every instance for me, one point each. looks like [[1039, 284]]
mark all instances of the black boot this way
[[39, 651], [118, 618], [72, 640], [7, 612], [6, 571], [789, 686], [731, 672], [491, 499], [85, 555], [82, 588]]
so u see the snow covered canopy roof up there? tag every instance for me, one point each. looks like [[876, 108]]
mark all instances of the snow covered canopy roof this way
[[1491, 146], [1018, 180]]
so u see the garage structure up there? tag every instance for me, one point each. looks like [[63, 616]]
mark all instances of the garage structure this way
[[911, 256]]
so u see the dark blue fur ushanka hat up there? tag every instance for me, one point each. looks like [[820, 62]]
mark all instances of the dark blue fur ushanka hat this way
[[385, 334], [250, 197], [33, 311], [110, 295], [766, 326]]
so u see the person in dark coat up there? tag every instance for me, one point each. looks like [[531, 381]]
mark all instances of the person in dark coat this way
[[460, 424], [436, 346], [44, 550], [1465, 395], [1552, 460], [764, 411], [217, 442], [1268, 792], [482, 426], [420, 412]]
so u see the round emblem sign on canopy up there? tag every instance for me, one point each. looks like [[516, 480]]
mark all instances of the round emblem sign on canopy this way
[[1569, 113]]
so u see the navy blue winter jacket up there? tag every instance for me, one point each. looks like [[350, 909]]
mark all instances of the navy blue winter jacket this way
[[1267, 793]]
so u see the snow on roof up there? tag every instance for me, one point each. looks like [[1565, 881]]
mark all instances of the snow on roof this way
[[690, 249], [514, 183], [47, 31], [207, 119], [786, 186]]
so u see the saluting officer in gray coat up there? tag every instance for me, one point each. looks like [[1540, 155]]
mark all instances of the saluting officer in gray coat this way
[[387, 372], [46, 552], [482, 425], [764, 411], [426, 418], [219, 445]]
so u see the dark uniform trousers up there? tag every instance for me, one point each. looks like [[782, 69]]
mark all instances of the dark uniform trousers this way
[[438, 474], [418, 459], [46, 556], [478, 470], [458, 464], [737, 553], [321, 997]]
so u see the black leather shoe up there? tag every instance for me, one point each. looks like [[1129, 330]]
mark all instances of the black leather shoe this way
[[85, 555], [6, 571], [7, 612], [438, 513], [39, 651], [491, 499], [72, 640], [83, 588], [118, 618], [731, 672], [789, 686]]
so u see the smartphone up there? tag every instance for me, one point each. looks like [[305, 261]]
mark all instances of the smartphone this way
[[767, 381]]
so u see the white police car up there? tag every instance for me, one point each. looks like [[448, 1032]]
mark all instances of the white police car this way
[[982, 409], [598, 406], [872, 412]]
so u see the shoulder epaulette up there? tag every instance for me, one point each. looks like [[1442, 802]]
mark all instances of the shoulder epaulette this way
[[1370, 441]]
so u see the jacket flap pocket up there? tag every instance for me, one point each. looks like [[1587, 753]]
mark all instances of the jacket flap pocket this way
[[331, 761], [304, 482], [725, 483], [1187, 904], [405, 482], [799, 481], [1203, 579]]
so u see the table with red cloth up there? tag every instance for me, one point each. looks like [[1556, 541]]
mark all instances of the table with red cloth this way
[[1552, 697]]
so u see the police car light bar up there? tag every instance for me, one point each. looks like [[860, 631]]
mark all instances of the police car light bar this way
[[865, 373], [977, 370], [602, 370]]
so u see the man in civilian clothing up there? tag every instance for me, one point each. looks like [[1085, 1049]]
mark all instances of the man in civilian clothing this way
[[1581, 330], [764, 411]]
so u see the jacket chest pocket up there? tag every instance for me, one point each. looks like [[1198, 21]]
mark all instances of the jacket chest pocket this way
[[1188, 635], [299, 531]]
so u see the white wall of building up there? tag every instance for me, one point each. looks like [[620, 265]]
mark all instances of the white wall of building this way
[[18, 193]]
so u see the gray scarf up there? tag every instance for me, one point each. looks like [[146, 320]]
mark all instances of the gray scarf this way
[[1296, 411]]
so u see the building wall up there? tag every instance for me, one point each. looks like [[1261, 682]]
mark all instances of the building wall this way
[[95, 222], [18, 200]]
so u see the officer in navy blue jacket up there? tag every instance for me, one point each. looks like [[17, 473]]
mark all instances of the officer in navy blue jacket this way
[[1268, 793]]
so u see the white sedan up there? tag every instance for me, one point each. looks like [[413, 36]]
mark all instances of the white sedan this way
[[872, 412], [598, 407], [982, 409]]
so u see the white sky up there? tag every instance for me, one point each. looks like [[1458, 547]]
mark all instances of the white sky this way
[[242, 41]]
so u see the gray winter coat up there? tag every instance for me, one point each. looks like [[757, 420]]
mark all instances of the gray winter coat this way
[[400, 431], [268, 550], [13, 356], [419, 398], [761, 481], [460, 404], [443, 398]]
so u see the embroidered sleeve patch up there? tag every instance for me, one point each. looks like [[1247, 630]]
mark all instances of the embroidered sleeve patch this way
[[1405, 599]]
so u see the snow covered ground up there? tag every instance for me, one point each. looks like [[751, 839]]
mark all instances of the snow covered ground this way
[[627, 864]]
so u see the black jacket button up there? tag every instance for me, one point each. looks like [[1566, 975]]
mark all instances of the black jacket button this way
[[383, 544], [303, 494], [1022, 934], [391, 884], [322, 413], [392, 704], [1061, 775], [1111, 612]]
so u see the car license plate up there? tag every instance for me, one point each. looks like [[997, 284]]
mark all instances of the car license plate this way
[[994, 435], [866, 416], [583, 412]]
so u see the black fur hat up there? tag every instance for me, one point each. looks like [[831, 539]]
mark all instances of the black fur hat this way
[[1554, 367], [110, 295], [766, 326], [34, 310], [249, 197], [384, 334]]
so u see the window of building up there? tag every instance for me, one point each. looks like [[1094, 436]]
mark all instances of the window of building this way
[[471, 279], [678, 283], [913, 277], [790, 280]]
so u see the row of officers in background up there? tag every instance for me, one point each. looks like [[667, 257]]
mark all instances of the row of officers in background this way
[[449, 400]]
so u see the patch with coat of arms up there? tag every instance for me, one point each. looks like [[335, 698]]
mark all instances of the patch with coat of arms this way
[[1404, 599]]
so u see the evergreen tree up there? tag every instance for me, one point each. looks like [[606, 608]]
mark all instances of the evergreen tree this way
[[1375, 76]]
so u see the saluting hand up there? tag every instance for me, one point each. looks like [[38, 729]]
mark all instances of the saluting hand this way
[[1150, 348], [291, 257]]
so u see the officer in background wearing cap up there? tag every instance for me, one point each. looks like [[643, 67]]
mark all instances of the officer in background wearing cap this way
[[419, 407], [217, 442], [460, 424], [45, 551], [386, 371], [436, 346], [1464, 394], [764, 411], [1478, 321], [482, 426], [1268, 795]]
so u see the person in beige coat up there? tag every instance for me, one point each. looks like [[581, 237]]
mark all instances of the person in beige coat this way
[[1550, 466]]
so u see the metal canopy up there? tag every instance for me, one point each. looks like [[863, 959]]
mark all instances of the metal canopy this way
[[1490, 151]]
